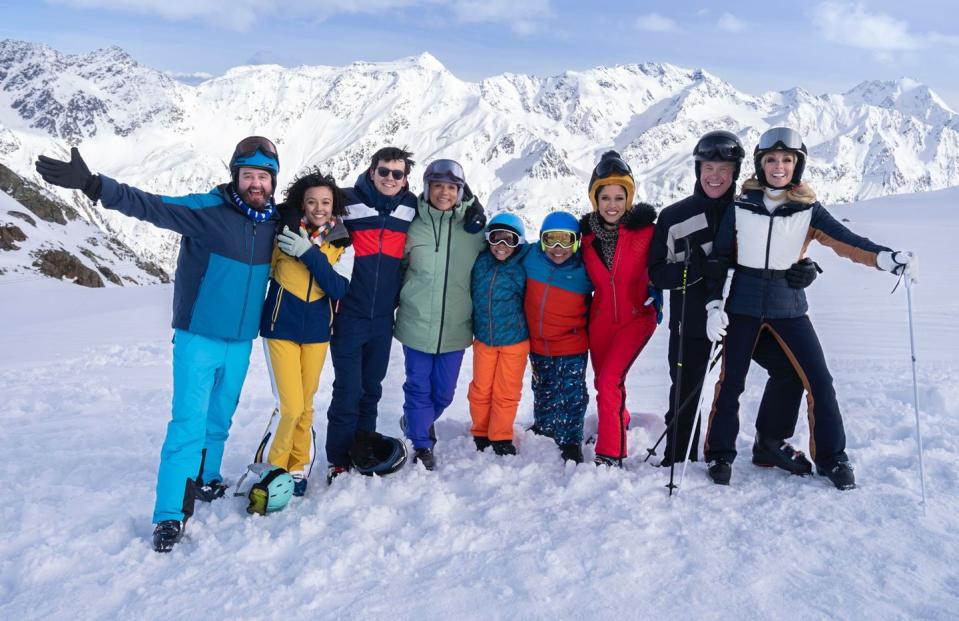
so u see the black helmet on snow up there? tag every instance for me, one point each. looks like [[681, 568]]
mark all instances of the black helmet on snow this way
[[780, 139], [719, 146]]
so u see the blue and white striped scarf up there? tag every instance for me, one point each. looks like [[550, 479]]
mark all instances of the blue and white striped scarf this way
[[254, 214]]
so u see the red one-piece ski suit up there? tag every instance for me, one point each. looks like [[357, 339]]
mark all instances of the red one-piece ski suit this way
[[620, 324]]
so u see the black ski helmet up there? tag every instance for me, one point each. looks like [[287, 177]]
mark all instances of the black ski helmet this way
[[780, 139], [719, 146]]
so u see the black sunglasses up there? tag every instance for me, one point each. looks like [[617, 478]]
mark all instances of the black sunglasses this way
[[385, 172]]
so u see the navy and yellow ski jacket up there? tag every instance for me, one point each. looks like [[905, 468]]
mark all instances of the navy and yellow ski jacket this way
[[224, 259], [299, 301]]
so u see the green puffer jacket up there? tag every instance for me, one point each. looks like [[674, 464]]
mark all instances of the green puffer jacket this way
[[436, 313]]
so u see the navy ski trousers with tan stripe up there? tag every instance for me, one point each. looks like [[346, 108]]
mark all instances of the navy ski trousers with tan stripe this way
[[796, 336]]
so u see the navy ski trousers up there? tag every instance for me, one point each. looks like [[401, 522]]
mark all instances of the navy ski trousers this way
[[778, 410], [360, 352], [797, 338]]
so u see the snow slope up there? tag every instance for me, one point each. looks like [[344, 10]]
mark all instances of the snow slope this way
[[86, 376]]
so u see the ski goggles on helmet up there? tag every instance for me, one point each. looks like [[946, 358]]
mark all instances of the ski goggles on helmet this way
[[448, 171], [251, 144], [612, 165], [562, 239], [781, 137], [719, 151], [508, 238]]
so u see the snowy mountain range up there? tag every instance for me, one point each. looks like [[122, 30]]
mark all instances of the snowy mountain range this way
[[41, 236], [527, 143]]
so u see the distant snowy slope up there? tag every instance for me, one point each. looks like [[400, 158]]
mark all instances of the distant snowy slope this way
[[86, 376], [528, 143]]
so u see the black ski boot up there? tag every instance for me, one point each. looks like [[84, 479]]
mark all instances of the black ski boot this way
[[609, 462], [771, 453], [503, 447], [208, 492], [841, 475], [482, 443], [425, 457], [720, 471], [571, 452], [166, 534]]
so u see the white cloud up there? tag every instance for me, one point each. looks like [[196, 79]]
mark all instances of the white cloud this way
[[851, 24], [654, 22], [730, 23], [242, 15]]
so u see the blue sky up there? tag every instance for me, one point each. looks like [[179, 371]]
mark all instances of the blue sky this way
[[821, 46]]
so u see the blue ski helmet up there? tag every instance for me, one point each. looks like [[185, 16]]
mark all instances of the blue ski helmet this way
[[255, 152], [505, 220], [273, 490], [561, 221]]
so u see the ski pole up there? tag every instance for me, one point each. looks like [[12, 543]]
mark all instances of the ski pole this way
[[702, 392], [689, 399], [679, 367], [915, 393], [699, 409]]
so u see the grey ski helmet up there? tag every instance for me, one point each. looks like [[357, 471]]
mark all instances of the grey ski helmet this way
[[780, 139]]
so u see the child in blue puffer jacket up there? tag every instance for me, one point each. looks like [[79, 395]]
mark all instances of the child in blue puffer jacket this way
[[501, 335]]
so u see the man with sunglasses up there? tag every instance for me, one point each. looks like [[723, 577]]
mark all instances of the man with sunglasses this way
[[379, 209], [221, 276], [690, 225]]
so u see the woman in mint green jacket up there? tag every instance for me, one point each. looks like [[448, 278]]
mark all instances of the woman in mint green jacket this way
[[434, 320]]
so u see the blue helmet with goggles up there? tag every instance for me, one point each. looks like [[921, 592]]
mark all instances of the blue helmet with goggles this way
[[444, 171], [780, 139], [255, 152], [560, 221]]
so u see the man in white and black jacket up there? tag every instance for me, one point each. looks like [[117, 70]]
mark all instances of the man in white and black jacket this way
[[690, 225]]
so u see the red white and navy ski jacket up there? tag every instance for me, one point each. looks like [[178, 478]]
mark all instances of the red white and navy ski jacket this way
[[378, 225], [761, 245]]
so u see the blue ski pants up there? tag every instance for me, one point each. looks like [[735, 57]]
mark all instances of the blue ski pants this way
[[428, 390], [208, 376], [560, 396]]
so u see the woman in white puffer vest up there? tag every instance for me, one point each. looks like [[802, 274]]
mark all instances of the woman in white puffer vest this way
[[768, 229]]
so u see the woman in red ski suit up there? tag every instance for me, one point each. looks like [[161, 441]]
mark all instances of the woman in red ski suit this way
[[616, 240]]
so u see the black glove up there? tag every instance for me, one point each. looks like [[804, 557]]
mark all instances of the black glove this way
[[801, 274], [715, 267], [474, 220], [73, 174]]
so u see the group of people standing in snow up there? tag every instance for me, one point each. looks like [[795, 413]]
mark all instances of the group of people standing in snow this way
[[430, 271]]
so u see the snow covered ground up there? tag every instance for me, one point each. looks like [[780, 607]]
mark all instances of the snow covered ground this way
[[86, 386]]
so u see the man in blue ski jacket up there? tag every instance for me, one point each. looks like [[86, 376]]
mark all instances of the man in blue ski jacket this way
[[221, 277]]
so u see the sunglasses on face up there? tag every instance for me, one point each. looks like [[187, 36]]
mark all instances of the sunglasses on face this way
[[562, 239], [385, 172], [501, 236]]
